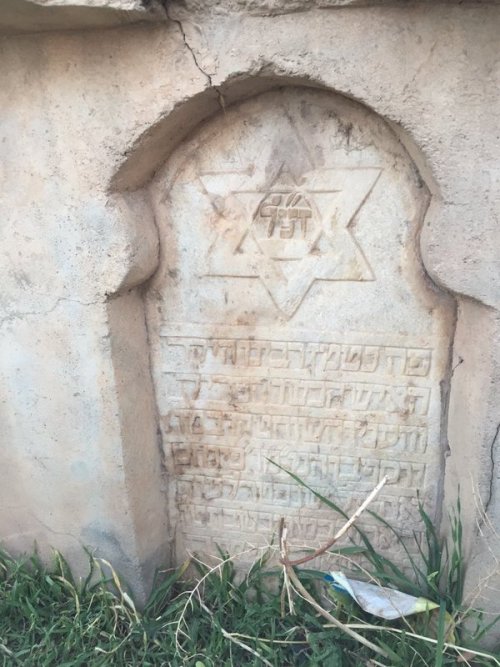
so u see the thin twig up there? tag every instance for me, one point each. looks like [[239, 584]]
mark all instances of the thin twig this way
[[340, 533], [286, 578], [181, 620], [309, 598], [232, 638], [454, 647], [269, 641], [359, 638]]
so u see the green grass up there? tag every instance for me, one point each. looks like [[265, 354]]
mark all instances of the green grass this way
[[221, 618], [47, 619]]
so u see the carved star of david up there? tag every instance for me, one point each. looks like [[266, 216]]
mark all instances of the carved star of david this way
[[290, 231]]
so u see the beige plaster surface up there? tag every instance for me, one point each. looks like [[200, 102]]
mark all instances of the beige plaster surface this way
[[88, 118], [42, 15], [276, 7]]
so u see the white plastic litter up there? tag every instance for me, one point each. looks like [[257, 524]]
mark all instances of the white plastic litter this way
[[379, 600]]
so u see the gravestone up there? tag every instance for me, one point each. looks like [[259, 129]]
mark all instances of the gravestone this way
[[291, 321]]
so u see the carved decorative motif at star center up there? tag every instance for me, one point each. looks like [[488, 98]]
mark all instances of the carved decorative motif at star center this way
[[292, 231]]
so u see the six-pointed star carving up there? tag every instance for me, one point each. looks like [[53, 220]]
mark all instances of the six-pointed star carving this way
[[290, 231]]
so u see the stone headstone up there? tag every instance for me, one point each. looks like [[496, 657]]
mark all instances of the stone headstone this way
[[293, 323]]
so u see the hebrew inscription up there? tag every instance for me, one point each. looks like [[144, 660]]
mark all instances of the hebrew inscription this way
[[291, 322]]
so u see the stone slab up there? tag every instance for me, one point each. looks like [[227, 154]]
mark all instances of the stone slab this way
[[291, 321]]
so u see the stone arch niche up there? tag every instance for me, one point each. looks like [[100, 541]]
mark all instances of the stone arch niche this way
[[291, 320]]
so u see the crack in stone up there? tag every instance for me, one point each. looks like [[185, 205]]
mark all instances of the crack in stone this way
[[55, 532], [492, 474], [21, 315], [459, 362], [208, 77]]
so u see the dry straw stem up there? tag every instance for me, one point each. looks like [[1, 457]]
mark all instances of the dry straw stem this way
[[486, 530], [195, 591], [454, 647], [238, 642], [340, 533], [234, 637], [304, 593], [291, 577], [265, 640], [286, 579]]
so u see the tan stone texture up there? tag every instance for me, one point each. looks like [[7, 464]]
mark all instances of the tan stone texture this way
[[291, 320], [93, 124], [18, 16]]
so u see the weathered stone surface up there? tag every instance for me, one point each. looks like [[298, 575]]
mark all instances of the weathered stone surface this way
[[276, 7], [40, 15], [291, 320], [78, 415], [90, 119]]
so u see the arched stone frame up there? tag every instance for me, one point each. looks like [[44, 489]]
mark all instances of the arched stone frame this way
[[472, 386]]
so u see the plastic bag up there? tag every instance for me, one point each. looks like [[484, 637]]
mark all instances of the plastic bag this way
[[378, 600]]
